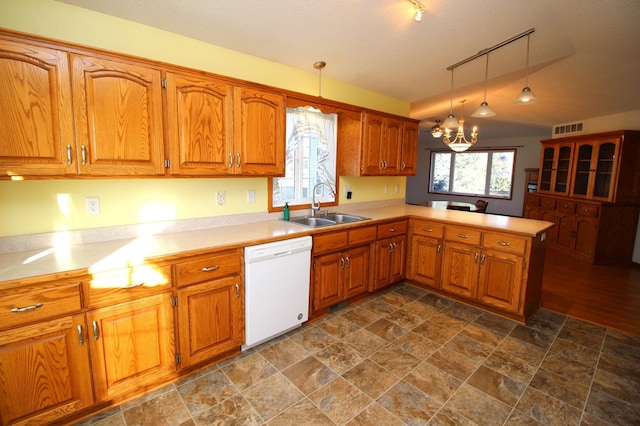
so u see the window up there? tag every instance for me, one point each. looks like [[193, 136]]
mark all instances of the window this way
[[480, 173], [310, 158]]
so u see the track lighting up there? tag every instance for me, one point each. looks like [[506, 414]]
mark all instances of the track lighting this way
[[526, 96], [418, 8]]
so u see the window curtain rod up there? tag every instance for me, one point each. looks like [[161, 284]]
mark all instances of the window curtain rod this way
[[490, 49]]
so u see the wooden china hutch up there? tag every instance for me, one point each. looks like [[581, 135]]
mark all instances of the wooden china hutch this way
[[589, 186]]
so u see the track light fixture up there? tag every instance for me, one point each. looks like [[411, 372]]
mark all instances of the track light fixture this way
[[526, 96], [419, 9]]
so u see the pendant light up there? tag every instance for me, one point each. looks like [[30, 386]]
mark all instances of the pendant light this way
[[319, 66], [526, 96], [436, 131], [485, 110], [450, 122], [460, 143]]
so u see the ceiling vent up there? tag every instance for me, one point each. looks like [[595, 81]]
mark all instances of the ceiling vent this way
[[567, 129]]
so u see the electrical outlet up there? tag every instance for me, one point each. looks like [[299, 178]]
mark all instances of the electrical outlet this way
[[93, 205], [347, 190], [220, 197], [397, 188], [251, 196], [386, 188]]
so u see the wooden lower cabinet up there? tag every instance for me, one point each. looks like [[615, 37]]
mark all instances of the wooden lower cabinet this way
[[340, 275], [460, 269], [500, 280], [390, 259], [425, 260], [132, 345], [210, 319], [44, 371]]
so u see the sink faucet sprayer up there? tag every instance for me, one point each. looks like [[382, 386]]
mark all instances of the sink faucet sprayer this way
[[315, 207]]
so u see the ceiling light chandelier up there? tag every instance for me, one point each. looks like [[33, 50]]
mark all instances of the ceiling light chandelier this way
[[436, 131], [460, 143], [484, 110], [419, 9], [526, 96]]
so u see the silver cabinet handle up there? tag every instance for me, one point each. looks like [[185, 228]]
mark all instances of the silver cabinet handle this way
[[210, 268], [83, 151], [482, 259], [427, 229], [402, 165], [127, 287], [342, 263], [27, 308], [230, 160], [586, 210], [392, 230], [237, 291], [80, 336], [238, 161], [503, 243], [96, 332], [68, 154], [475, 258], [462, 236], [439, 248], [348, 259]]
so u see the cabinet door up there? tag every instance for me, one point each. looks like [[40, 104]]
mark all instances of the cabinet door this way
[[550, 216], [210, 319], [555, 168], [44, 371], [200, 119], [356, 271], [382, 275], [596, 169], [586, 236], [259, 133], [328, 287], [391, 145], [36, 128], [565, 232], [500, 280], [397, 260], [425, 260], [132, 345], [373, 140], [460, 269], [409, 150], [118, 117]]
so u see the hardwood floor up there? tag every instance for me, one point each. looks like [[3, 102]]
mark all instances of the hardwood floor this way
[[600, 294]]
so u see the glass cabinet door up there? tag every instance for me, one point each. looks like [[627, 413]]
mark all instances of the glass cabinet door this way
[[561, 184], [546, 169], [595, 169], [555, 168]]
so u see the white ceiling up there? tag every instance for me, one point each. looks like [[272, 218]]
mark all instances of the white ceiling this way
[[584, 61]]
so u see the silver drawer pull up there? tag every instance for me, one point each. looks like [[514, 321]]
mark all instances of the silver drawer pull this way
[[586, 210], [210, 268], [462, 236], [27, 308], [427, 229], [230, 160], [503, 243], [68, 154], [127, 287], [80, 336], [392, 229], [96, 331]]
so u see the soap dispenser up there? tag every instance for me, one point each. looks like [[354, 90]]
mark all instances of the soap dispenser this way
[[286, 211]]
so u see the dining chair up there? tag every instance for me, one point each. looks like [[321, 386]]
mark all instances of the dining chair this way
[[481, 206]]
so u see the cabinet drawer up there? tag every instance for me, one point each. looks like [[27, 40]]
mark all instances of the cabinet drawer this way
[[548, 203], [512, 243], [462, 235], [589, 210], [392, 229], [120, 285], [532, 201], [428, 229], [565, 206], [330, 242], [210, 267], [365, 234], [39, 303]]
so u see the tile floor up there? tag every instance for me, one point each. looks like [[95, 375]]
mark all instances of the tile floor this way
[[409, 357]]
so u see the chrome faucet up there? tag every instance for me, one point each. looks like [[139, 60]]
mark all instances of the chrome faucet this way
[[315, 207]]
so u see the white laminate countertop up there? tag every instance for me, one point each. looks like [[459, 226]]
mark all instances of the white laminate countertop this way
[[107, 255]]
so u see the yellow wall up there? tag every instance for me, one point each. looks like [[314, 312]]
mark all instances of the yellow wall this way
[[28, 207]]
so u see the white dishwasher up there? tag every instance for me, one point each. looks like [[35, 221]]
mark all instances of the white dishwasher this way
[[276, 288]]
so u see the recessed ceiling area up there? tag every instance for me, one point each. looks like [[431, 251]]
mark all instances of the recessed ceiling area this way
[[584, 56]]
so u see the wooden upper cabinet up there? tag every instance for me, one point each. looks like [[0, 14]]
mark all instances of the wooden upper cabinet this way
[[391, 146], [373, 141], [409, 148], [596, 166], [118, 117], [36, 128], [200, 122], [259, 132]]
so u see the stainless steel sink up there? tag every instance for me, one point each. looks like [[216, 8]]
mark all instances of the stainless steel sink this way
[[327, 220], [314, 222]]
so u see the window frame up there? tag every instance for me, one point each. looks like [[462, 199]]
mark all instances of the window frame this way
[[488, 151], [293, 102]]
